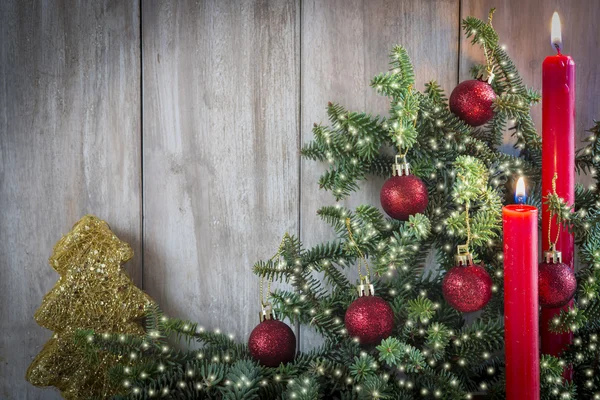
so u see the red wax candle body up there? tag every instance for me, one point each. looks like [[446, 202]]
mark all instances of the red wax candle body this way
[[521, 322], [558, 156]]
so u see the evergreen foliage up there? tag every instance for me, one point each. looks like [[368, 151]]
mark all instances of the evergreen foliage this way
[[432, 352]]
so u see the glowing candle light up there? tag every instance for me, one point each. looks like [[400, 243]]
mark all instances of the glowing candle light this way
[[556, 32], [520, 195]]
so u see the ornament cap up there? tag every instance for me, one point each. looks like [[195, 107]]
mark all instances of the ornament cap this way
[[365, 288], [401, 168], [553, 256], [266, 313], [463, 257]]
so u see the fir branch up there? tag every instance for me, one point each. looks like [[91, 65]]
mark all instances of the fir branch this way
[[435, 92], [363, 367], [304, 388], [405, 357], [480, 32], [242, 381], [511, 105]]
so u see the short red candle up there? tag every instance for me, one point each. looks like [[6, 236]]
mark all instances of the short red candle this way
[[521, 322], [558, 157]]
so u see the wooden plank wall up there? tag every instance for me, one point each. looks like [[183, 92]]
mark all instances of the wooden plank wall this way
[[180, 124], [220, 152], [70, 144]]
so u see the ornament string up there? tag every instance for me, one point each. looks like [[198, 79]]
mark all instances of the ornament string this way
[[468, 224], [488, 57], [552, 215], [264, 301], [362, 259], [488, 61], [403, 154], [490, 16], [467, 219]]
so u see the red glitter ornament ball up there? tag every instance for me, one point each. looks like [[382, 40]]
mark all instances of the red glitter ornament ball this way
[[472, 101], [404, 195], [467, 288], [370, 319], [556, 284], [272, 342]]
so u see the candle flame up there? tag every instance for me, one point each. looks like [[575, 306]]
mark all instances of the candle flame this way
[[520, 194], [556, 37]]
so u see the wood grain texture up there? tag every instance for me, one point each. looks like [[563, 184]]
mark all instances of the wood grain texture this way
[[69, 145], [345, 44], [221, 86], [230, 90], [524, 26]]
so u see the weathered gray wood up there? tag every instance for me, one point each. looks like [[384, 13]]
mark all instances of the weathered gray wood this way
[[345, 44], [224, 115], [221, 88], [69, 145], [524, 27]]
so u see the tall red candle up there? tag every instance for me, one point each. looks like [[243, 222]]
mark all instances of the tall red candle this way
[[521, 323], [558, 156]]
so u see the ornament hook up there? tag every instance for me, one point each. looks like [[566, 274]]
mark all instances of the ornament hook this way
[[266, 308], [401, 167], [366, 287], [266, 312], [463, 257], [553, 256]]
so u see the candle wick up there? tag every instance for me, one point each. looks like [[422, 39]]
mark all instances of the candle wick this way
[[557, 47]]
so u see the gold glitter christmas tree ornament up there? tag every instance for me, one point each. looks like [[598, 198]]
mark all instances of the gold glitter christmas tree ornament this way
[[93, 292]]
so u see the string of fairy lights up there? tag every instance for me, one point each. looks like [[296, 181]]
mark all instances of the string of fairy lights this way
[[302, 386], [402, 382], [392, 251], [405, 383], [455, 339]]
